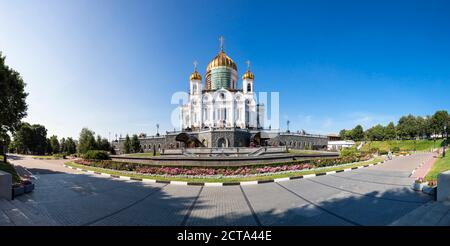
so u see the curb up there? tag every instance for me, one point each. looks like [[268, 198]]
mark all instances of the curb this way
[[415, 169], [243, 183]]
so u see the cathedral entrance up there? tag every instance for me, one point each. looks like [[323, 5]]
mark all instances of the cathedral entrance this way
[[222, 143]]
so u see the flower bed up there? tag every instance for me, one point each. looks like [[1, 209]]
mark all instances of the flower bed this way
[[25, 186], [215, 171]]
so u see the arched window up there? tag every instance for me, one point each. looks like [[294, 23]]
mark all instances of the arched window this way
[[249, 87]]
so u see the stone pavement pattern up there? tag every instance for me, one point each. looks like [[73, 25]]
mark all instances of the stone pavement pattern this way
[[378, 195], [426, 166]]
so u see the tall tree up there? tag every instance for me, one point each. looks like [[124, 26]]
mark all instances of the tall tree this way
[[345, 134], [389, 131], [439, 121], [63, 145], [55, 144], [39, 139], [127, 145], [86, 141], [49, 149], [407, 127], [103, 144], [358, 133], [375, 133], [135, 144], [12, 100], [71, 146]]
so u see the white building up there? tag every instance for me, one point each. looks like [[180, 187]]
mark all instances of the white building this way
[[221, 104], [341, 144]]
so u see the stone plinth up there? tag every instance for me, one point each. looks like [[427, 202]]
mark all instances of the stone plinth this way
[[5, 185], [443, 189]]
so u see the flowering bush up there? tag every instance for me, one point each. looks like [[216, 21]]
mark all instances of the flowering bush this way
[[228, 171], [220, 171]]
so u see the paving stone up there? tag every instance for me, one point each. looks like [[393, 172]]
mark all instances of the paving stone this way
[[219, 206]]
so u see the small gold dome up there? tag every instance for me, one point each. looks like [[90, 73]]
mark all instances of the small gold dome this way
[[195, 76], [248, 75], [221, 60]]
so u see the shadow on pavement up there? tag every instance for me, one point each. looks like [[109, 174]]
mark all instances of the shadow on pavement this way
[[85, 199]]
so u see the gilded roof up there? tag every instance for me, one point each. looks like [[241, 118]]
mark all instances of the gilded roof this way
[[221, 60]]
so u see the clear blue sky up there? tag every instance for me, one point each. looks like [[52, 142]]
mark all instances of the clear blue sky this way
[[113, 65]]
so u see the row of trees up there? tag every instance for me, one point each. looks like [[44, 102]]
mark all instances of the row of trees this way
[[132, 145], [32, 139], [408, 127], [87, 141]]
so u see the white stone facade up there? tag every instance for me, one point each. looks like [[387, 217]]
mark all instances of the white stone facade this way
[[221, 108]]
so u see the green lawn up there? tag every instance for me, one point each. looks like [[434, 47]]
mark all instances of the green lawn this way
[[404, 145], [224, 179], [44, 157], [441, 165], [7, 167], [147, 154]]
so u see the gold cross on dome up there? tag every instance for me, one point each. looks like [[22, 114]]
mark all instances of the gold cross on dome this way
[[195, 65], [221, 39]]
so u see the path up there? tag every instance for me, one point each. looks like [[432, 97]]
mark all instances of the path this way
[[378, 195]]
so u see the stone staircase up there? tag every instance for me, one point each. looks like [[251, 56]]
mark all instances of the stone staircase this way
[[429, 214], [23, 212]]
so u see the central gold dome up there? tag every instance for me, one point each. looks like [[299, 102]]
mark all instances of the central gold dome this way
[[221, 60]]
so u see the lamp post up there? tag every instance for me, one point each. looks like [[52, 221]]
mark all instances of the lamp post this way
[[445, 141]]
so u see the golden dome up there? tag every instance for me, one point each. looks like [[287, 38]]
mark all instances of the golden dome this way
[[221, 60], [195, 76], [248, 75]]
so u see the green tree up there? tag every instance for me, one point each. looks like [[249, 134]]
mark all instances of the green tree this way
[[39, 145], [375, 133], [103, 144], [12, 100], [407, 127], [86, 141], [390, 132], [49, 149], [345, 134], [30, 139], [135, 144], [127, 145], [357, 133], [63, 146], [439, 121], [424, 126], [55, 144], [71, 146]]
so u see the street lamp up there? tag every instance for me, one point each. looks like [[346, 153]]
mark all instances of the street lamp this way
[[445, 141]]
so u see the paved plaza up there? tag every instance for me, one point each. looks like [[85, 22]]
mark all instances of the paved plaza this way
[[378, 195]]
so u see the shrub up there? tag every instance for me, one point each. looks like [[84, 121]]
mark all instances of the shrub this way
[[62, 155], [349, 153], [374, 150], [96, 155], [396, 149], [383, 152]]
